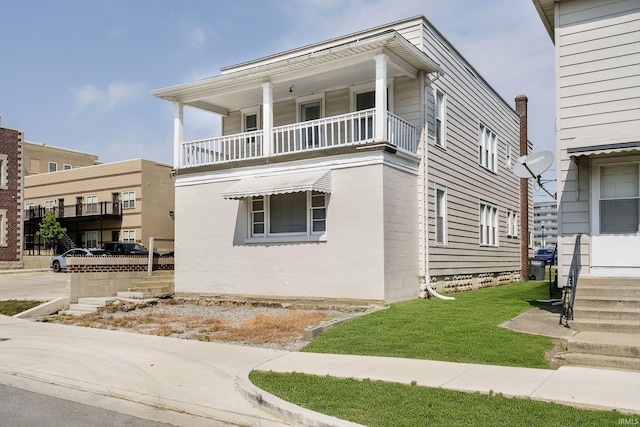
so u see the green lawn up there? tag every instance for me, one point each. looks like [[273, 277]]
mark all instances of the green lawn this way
[[12, 306], [465, 330], [380, 404]]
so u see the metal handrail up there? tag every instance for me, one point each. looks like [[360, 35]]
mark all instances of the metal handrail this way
[[569, 291]]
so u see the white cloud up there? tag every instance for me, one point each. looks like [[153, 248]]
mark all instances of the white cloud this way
[[116, 93]]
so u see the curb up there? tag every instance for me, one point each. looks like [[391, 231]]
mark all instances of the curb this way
[[283, 409]]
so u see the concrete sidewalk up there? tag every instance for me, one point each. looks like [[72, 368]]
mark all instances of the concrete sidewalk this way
[[192, 383]]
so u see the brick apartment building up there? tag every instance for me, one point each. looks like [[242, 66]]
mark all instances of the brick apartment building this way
[[11, 190]]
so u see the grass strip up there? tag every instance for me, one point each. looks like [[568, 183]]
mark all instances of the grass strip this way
[[12, 306], [465, 330], [382, 404]]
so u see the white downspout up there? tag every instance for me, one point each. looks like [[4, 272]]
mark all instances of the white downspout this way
[[425, 285]]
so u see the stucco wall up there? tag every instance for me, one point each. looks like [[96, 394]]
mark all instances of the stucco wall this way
[[213, 257]]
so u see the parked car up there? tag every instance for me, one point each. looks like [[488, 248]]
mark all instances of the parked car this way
[[549, 255], [59, 263], [126, 248]]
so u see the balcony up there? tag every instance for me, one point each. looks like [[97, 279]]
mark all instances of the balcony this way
[[347, 129], [78, 212]]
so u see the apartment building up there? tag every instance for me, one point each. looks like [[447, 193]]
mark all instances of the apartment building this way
[[127, 201], [545, 224], [43, 158], [11, 181]]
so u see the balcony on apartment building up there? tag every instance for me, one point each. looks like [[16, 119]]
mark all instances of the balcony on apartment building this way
[[306, 101], [77, 212]]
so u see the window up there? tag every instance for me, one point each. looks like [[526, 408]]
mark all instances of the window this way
[[66, 167], [129, 236], [3, 227], [488, 225], [291, 214], [91, 203], [128, 199], [49, 205], [91, 239], [509, 160], [4, 179], [512, 223], [440, 122], [53, 166], [487, 148], [441, 215], [620, 199]]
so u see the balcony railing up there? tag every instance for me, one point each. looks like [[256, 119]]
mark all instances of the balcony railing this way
[[75, 211], [347, 129]]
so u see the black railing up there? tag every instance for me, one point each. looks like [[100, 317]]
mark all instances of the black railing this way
[[75, 211], [569, 291]]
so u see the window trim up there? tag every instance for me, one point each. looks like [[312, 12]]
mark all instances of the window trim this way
[[596, 172], [126, 239], [87, 203], [66, 167], [512, 223], [49, 167], [86, 238], [441, 189], [3, 228], [4, 176], [128, 203], [491, 212], [442, 114], [488, 156], [308, 236], [250, 112], [371, 87]]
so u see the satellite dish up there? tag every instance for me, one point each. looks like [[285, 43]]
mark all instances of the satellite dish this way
[[534, 165]]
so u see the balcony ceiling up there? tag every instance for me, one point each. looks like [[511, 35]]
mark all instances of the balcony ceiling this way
[[339, 66]]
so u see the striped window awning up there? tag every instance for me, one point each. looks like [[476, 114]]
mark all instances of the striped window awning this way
[[280, 184], [604, 149]]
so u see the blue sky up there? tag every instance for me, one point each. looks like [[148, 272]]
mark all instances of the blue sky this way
[[77, 73]]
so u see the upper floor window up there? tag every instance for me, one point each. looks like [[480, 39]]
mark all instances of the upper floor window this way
[[91, 203], [49, 205], [487, 148], [3, 227], [507, 149], [53, 166], [440, 118], [66, 166], [128, 199], [290, 214], [488, 225], [4, 179]]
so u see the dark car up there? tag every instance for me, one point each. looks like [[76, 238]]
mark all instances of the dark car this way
[[59, 262], [549, 255], [125, 248]]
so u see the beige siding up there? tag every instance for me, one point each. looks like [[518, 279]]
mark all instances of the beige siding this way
[[470, 101], [38, 156]]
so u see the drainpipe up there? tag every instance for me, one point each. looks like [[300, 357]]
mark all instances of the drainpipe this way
[[521, 110], [425, 286]]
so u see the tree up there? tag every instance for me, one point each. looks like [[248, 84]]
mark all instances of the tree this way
[[50, 229]]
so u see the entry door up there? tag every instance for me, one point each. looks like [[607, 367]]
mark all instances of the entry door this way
[[365, 101], [310, 135]]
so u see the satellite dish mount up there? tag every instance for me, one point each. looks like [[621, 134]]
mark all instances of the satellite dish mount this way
[[533, 166]]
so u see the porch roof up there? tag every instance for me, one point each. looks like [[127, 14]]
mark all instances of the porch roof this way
[[335, 66], [280, 184]]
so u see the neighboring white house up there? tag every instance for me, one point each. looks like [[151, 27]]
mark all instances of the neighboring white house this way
[[358, 168], [598, 132]]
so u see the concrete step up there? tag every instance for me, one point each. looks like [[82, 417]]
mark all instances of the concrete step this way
[[135, 295], [608, 281], [598, 313], [609, 302], [605, 343], [606, 325], [591, 290], [72, 312], [603, 361], [97, 301], [86, 308], [154, 291]]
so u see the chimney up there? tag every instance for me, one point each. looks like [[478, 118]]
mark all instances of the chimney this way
[[521, 110]]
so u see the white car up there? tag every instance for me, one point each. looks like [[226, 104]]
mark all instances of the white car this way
[[59, 262]]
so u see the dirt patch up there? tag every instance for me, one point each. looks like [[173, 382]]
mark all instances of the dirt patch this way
[[270, 325]]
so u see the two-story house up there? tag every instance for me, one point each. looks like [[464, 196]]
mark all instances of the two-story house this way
[[364, 167]]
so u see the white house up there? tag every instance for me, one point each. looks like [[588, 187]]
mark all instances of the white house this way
[[598, 132], [360, 168]]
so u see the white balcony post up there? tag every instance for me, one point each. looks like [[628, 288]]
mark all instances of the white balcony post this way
[[178, 132], [267, 119], [381, 98]]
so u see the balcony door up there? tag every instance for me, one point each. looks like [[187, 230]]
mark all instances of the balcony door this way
[[311, 136], [365, 101]]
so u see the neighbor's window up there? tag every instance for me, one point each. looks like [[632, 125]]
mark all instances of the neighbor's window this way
[[620, 199], [440, 123], [488, 225], [91, 239], [487, 148], [53, 166], [49, 205], [292, 214], [128, 199], [3, 172], [129, 236], [91, 203], [3, 227], [507, 149], [441, 215], [512, 223], [66, 167]]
